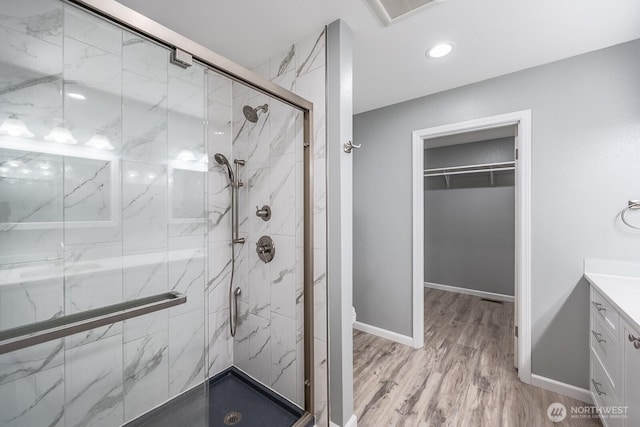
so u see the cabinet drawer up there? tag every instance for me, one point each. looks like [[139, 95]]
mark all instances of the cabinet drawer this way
[[605, 345], [602, 391], [605, 311]]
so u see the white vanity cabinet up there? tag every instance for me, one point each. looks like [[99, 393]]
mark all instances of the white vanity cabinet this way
[[614, 377]]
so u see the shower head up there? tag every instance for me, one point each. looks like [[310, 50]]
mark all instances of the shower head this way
[[251, 113], [222, 160]]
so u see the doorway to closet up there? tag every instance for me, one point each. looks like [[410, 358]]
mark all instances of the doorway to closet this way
[[469, 232], [471, 248]]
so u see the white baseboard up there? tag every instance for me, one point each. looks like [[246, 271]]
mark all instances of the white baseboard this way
[[374, 330], [562, 388], [352, 422], [482, 294]]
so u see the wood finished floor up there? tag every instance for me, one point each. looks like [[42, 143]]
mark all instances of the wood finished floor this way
[[463, 376]]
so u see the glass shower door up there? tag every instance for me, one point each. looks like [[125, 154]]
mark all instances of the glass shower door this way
[[102, 201]]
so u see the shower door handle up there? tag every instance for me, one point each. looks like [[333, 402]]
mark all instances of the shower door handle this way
[[348, 146], [59, 327]]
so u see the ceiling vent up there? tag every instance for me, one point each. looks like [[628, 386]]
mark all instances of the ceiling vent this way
[[391, 11]]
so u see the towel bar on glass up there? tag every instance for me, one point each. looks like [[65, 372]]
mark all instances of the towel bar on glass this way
[[59, 327]]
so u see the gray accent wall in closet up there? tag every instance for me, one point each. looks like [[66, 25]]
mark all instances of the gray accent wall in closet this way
[[469, 228]]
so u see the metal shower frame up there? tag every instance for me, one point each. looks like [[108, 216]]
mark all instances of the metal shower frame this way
[[130, 19]]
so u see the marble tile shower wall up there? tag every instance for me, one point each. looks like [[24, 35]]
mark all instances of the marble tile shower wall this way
[[301, 69], [103, 183]]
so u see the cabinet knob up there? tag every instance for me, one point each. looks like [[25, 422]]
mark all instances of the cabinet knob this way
[[598, 306]]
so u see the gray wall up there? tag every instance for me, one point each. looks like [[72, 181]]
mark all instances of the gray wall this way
[[585, 156], [469, 228]]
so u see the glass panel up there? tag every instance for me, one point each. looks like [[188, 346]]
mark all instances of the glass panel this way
[[110, 191], [102, 200]]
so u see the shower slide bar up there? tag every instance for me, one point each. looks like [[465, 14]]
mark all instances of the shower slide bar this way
[[60, 327]]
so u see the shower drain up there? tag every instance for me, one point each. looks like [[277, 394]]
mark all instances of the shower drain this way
[[232, 418]]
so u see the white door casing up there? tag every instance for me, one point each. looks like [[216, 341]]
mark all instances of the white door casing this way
[[522, 291]]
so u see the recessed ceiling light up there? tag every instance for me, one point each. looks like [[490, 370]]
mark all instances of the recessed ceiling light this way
[[440, 50]]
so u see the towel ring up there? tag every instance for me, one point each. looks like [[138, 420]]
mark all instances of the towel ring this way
[[632, 205]]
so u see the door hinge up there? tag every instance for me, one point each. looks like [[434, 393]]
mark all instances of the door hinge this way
[[515, 330], [516, 154]]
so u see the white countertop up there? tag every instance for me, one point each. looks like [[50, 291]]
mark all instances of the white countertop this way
[[619, 283]]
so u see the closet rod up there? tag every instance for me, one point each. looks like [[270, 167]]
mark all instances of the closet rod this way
[[478, 166], [470, 171]]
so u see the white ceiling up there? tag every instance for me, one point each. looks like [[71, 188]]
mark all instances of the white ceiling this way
[[492, 37]]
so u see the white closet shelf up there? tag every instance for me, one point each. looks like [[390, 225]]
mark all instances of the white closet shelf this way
[[479, 168]]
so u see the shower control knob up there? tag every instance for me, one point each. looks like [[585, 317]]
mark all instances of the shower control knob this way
[[264, 212], [266, 249]]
